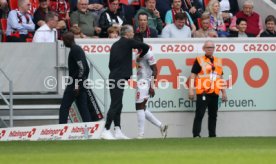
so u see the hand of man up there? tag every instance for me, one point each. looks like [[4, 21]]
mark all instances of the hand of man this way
[[98, 7], [156, 13], [98, 30], [92, 6], [151, 92], [224, 97], [191, 94], [192, 10]]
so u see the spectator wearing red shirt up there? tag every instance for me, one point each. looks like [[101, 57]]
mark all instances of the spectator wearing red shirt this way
[[253, 19]]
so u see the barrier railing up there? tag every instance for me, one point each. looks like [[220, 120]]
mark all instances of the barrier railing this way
[[103, 102], [10, 102]]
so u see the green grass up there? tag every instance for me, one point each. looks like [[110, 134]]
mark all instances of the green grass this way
[[152, 151]]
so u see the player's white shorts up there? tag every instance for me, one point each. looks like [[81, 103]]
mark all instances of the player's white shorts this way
[[142, 91]]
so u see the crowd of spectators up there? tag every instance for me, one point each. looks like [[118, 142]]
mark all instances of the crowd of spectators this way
[[151, 18]]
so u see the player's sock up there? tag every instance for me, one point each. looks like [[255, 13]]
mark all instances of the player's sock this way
[[141, 122], [150, 117]]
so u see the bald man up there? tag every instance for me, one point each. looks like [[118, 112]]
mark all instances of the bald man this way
[[78, 74], [207, 72]]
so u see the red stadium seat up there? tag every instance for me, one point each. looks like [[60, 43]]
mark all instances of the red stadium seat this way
[[206, 3], [35, 5], [13, 4], [142, 3], [199, 22], [4, 28], [135, 3]]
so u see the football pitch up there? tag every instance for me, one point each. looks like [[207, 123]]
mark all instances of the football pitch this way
[[260, 150]]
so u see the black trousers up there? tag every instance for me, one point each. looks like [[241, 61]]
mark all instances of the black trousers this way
[[212, 103], [116, 106], [69, 97]]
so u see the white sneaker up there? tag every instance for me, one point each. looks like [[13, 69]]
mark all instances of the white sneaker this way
[[107, 135], [164, 130], [140, 137], [119, 134]]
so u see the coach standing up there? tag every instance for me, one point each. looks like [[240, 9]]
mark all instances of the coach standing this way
[[78, 72], [207, 73], [120, 66]]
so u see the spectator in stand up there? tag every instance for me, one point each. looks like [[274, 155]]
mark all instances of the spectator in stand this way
[[83, 19], [154, 19], [143, 27], [96, 7], [229, 8], [241, 26], [111, 17], [216, 19], [4, 8], [77, 32], [62, 8], [270, 22], [20, 23], [47, 32], [194, 7], [113, 32], [204, 31], [254, 20], [177, 29], [163, 6], [176, 8], [129, 8], [40, 13]]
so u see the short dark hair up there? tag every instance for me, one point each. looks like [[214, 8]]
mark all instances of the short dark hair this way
[[142, 13], [239, 20], [50, 16], [180, 16], [270, 18], [110, 1], [147, 1]]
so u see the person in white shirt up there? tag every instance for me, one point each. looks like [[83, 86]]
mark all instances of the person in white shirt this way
[[47, 32], [146, 76], [177, 29]]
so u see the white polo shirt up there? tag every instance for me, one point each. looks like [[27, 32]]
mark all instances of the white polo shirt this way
[[45, 34], [171, 31]]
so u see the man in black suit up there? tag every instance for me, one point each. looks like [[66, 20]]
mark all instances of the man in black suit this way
[[120, 66]]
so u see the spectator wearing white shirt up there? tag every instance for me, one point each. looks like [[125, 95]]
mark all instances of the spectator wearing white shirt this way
[[47, 32], [178, 29], [20, 23]]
